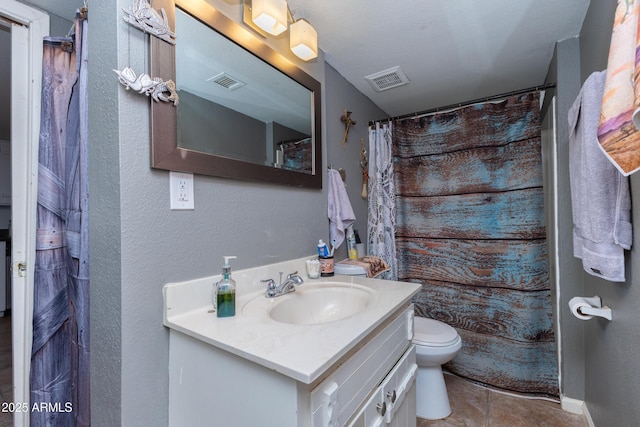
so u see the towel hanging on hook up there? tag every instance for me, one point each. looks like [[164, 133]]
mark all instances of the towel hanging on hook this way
[[341, 171]]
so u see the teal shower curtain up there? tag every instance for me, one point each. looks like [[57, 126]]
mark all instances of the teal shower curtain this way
[[59, 376], [470, 229]]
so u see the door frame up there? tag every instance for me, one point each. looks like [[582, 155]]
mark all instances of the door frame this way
[[28, 27]]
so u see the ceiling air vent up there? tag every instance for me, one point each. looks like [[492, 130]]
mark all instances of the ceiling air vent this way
[[387, 79], [226, 81]]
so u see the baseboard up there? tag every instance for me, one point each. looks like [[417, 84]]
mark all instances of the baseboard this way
[[576, 406], [587, 415]]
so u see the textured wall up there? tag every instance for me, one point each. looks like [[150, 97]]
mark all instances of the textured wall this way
[[612, 368], [138, 244], [565, 71], [343, 95]]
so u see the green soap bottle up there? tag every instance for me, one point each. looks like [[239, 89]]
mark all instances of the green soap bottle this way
[[225, 292]]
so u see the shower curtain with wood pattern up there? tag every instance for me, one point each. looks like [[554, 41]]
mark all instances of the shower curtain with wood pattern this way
[[59, 376], [470, 229]]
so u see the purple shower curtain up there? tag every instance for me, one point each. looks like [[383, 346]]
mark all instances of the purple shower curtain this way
[[59, 376]]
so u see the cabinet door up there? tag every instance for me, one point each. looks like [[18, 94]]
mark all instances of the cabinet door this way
[[372, 413], [337, 398], [398, 384], [404, 415], [393, 402]]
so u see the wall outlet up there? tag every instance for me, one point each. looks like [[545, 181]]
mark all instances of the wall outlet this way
[[181, 191]]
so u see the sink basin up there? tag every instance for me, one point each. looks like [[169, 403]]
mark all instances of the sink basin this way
[[314, 304]]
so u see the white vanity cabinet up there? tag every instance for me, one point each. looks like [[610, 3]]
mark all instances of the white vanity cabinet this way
[[372, 385]]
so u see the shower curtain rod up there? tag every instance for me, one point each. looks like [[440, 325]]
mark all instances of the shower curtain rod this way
[[464, 104]]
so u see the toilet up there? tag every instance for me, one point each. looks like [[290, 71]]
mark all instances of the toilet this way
[[436, 344]]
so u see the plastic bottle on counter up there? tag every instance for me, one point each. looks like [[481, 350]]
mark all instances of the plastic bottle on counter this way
[[225, 292], [359, 245], [351, 243]]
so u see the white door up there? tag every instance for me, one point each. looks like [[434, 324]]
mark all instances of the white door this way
[[28, 27]]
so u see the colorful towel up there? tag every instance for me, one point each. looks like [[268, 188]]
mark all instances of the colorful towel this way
[[620, 115]]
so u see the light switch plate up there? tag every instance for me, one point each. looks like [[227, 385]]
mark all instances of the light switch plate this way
[[181, 191]]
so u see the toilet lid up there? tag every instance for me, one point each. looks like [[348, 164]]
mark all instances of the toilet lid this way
[[349, 269], [433, 332]]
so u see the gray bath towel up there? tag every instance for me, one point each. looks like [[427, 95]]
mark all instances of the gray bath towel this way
[[600, 197]]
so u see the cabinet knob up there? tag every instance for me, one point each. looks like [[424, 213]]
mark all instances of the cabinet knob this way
[[382, 408], [391, 395]]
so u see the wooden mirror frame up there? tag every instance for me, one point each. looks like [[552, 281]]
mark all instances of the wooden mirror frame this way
[[165, 152]]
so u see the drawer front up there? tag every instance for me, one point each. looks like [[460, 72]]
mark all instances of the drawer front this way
[[337, 398]]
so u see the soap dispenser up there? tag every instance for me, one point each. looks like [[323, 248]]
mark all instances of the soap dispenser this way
[[225, 291]]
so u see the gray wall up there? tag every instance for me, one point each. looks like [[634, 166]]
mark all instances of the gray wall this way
[[565, 72], [612, 367], [343, 95], [138, 244], [599, 364]]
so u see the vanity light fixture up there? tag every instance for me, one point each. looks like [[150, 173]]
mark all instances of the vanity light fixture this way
[[267, 18], [303, 40], [270, 15]]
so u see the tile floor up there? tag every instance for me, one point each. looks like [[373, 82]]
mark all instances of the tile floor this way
[[6, 376], [475, 406], [472, 405]]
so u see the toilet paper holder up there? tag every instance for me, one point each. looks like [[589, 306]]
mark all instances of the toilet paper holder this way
[[594, 307]]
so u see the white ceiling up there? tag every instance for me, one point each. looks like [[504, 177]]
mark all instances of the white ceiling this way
[[63, 8], [451, 50]]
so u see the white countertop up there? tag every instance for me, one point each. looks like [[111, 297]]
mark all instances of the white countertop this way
[[302, 352]]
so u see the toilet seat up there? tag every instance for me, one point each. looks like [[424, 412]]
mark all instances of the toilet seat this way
[[433, 333]]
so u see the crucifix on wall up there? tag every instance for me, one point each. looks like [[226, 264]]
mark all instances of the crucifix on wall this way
[[348, 122]]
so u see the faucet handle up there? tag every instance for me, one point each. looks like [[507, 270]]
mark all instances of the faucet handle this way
[[271, 287], [295, 278], [270, 283]]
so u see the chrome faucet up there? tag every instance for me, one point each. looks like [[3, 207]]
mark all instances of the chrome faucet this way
[[289, 285]]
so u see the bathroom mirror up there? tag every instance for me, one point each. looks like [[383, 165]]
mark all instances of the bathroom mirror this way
[[245, 111]]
